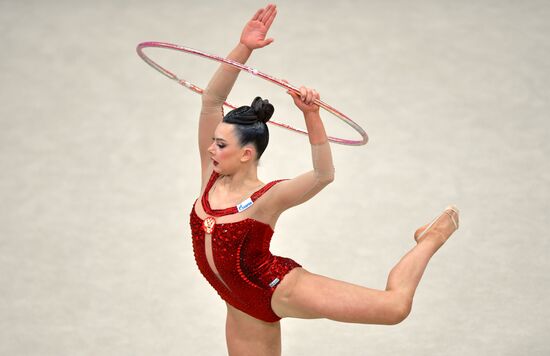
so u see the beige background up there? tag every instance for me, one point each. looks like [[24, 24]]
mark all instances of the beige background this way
[[99, 170]]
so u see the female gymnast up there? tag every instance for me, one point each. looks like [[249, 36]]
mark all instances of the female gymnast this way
[[233, 220]]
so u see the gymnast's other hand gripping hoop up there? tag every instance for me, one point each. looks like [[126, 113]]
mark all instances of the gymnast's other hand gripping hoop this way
[[256, 73]]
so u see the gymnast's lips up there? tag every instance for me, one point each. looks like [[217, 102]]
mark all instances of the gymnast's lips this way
[[215, 163]]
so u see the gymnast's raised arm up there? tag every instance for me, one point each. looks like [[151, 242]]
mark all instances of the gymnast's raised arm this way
[[302, 188], [253, 36]]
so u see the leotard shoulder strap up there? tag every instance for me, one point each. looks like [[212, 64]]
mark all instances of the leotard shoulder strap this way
[[234, 209]]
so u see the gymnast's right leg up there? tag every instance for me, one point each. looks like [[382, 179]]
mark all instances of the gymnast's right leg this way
[[302, 294]]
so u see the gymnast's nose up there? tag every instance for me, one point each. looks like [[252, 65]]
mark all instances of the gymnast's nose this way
[[211, 148]]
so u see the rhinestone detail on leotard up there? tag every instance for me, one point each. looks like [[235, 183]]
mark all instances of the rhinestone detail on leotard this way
[[248, 272]]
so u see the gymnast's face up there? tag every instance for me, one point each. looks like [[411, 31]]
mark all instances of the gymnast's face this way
[[226, 152]]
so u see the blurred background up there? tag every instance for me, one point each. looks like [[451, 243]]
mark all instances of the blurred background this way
[[99, 170]]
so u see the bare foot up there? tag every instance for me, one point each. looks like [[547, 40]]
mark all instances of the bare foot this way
[[441, 228]]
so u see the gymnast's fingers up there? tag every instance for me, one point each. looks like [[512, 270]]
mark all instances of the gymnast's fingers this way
[[257, 15], [269, 12], [303, 93], [295, 96], [267, 41], [265, 13], [316, 95], [271, 18], [309, 96]]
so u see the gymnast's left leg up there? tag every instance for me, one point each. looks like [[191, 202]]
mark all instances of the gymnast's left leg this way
[[302, 294], [248, 336]]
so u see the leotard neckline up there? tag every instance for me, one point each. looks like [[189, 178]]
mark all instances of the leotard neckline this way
[[231, 210]]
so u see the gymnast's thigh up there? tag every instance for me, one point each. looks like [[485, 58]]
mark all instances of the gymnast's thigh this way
[[284, 296], [305, 295]]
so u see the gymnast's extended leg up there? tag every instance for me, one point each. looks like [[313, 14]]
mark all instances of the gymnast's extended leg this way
[[306, 295]]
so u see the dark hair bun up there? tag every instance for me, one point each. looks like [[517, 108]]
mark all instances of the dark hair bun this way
[[259, 111], [250, 123], [263, 109]]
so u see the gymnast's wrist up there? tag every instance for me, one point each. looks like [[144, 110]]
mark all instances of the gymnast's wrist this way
[[244, 47], [312, 115]]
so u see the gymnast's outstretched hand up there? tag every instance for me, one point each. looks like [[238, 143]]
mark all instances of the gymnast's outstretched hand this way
[[255, 31], [305, 100]]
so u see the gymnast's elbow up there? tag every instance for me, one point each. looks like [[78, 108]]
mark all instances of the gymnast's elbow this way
[[326, 178]]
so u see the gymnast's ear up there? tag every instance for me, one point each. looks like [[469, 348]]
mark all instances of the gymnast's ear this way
[[248, 153]]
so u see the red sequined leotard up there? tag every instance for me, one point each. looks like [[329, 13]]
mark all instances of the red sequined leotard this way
[[248, 272]]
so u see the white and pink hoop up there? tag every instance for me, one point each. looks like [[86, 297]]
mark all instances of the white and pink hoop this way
[[364, 137]]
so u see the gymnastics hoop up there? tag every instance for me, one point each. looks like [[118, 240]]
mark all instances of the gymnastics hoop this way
[[255, 72]]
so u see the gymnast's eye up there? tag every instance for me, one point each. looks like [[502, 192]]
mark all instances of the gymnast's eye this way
[[221, 145]]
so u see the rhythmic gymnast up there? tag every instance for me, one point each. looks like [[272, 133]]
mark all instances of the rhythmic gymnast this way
[[233, 220]]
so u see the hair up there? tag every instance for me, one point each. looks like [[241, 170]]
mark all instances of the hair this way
[[250, 123]]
